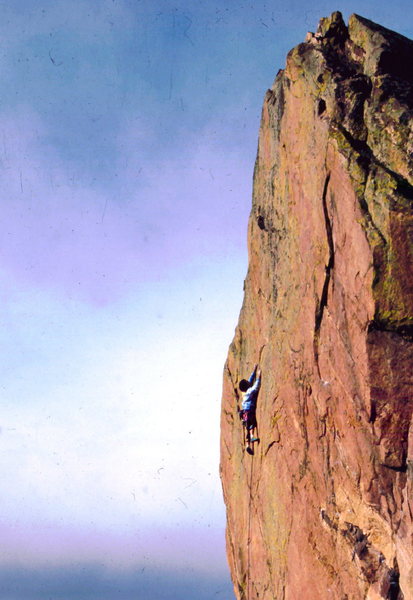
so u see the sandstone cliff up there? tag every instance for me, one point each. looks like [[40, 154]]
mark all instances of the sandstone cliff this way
[[324, 507]]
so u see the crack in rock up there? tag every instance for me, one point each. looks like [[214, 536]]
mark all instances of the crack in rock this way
[[321, 305]]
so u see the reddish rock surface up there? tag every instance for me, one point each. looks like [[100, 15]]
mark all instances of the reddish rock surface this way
[[323, 510]]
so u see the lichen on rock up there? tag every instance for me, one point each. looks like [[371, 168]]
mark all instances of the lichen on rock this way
[[324, 507]]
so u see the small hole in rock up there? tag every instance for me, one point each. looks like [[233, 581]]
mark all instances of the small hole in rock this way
[[261, 222], [321, 107]]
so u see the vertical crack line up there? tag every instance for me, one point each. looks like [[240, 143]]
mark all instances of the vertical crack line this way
[[249, 534], [322, 303]]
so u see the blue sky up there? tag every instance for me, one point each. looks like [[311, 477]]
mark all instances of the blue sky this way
[[127, 145]]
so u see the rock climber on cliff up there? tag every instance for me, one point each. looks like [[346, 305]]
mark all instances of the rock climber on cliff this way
[[250, 388]]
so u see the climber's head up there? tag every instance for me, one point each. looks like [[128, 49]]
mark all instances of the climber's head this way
[[244, 384]]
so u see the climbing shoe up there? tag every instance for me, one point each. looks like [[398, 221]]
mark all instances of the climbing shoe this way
[[249, 450]]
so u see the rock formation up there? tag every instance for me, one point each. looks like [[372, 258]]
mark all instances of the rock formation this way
[[324, 508]]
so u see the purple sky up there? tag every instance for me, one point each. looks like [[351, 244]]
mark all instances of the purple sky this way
[[127, 146]]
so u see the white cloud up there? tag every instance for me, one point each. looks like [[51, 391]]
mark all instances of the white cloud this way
[[117, 430]]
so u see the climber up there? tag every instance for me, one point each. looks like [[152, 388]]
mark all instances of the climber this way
[[250, 388]]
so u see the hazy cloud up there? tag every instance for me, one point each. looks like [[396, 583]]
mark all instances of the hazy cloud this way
[[93, 582]]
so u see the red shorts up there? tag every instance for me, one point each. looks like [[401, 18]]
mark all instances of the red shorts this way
[[248, 418]]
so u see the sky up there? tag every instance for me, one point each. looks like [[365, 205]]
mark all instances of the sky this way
[[128, 134]]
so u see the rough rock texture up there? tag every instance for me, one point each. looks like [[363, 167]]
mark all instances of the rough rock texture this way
[[324, 507]]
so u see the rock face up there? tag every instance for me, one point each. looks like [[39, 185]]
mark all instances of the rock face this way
[[323, 510]]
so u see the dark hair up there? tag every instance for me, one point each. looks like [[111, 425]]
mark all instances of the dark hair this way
[[244, 384]]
